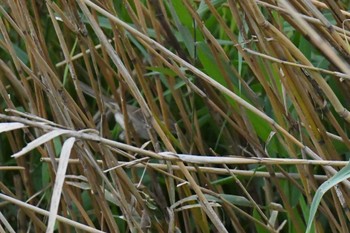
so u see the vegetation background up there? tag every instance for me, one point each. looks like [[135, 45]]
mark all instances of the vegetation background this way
[[242, 114]]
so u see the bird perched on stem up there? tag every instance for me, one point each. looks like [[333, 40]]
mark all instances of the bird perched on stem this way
[[134, 113]]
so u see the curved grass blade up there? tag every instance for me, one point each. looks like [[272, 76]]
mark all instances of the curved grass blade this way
[[39, 141], [342, 175], [9, 126], [60, 175]]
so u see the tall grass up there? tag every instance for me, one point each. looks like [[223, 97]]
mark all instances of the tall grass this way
[[235, 113]]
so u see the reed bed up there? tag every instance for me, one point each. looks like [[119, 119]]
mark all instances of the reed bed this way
[[233, 116]]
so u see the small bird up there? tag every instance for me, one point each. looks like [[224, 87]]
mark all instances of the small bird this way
[[135, 114]]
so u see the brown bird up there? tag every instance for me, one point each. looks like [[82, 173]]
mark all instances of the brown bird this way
[[135, 114]]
